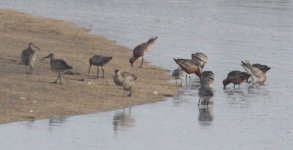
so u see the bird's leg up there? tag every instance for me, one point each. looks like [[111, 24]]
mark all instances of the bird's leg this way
[[186, 80], [129, 95], [60, 78], [141, 62], [31, 68], [198, 102], [56, 80], [98, 71], [234, 86], [89, 69], [103, 72]]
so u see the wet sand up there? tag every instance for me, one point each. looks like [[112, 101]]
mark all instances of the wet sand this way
[[26, 97]]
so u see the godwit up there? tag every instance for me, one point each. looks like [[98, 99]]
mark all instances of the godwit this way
[[201, 58], [263, 68], [189, 66], [58, 65], [28, 57], [179, 74], [257, 75], [205, 91], [139, 50], [99, 60], [125, 80], [236, 77]]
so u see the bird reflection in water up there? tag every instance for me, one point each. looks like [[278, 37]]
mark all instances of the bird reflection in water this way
[[205, 116], [53, 122], [123, 120]]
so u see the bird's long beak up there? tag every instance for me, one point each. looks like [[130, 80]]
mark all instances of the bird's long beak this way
[[44, 58], [37, 47]]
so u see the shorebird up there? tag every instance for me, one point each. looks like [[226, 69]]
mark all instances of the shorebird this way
[[236, 77], [189, 66], [205, 91], [125, 80], [257, 75], [140, 49], [179, 74], [58, 65], [201, 58], [28, 57], [99, 60], [263, 68]]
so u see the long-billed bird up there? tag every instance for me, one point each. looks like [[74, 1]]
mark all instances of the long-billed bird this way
[[189, 66], [99, 60], [236, 77], [58, 65], [125, 80], [28, 57], [139, 50], [257, 75], [201, 58]]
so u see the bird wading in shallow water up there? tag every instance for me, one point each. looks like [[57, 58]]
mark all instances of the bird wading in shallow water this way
[[28, 57], [189, 66], [125, 80], [140, 49], [205, 92], [179, 74], [236, 77], [257, 75], [58, 65], [99, 60]]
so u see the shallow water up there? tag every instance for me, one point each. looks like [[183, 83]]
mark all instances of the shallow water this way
[[227, 31]]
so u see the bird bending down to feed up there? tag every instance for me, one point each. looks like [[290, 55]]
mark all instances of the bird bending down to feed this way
[[125, 80], [99, 60], [139, 50], [201, 58], [189, 66], [236, 77], [205, 91], [58, 65], [179, 74], [263, 68], [28, 57], [257, 75]]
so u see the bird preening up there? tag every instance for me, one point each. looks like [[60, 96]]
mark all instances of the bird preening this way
[[140, 50]]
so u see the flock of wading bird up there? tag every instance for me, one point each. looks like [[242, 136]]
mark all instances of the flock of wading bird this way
[[257, 72]]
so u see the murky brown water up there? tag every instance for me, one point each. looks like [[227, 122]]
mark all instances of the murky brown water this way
[[228, 31]]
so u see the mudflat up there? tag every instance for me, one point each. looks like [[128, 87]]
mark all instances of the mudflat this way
[[30, 97]]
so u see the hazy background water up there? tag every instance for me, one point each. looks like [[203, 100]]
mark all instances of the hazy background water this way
[[226, 30]]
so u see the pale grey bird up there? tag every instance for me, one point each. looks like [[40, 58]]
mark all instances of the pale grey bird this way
[[200, 57], [205, 91], [99, 60], [28, 57], [257, 75], [139, 50], [58, 65], [125, 80], [179, 74], [263, 68]]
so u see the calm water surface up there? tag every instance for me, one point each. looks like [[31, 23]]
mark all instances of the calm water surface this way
[[228, 31]]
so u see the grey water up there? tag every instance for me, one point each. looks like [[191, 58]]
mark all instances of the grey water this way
[[228, 31]]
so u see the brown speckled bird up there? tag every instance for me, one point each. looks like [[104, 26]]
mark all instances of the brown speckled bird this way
[[139, 50]]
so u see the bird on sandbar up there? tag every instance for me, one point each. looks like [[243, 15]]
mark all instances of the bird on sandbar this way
[[257, 75], [139, 50], [263, 68], [189, 66], [201, 58], [58, 65], [28, 57], [236, 77], [99, 60], [179, 74], [125, 80], [205, 91]]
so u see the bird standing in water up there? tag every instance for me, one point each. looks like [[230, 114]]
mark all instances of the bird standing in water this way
[[189, 66], [58, 65], [257, 75], [263, 68], [236, 77], [139, 50], [125, 80], [99, 60], [179, 74], [205, 91], [28, 57]]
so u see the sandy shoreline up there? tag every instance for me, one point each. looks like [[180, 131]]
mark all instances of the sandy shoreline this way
[[26, 97]]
